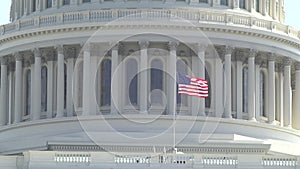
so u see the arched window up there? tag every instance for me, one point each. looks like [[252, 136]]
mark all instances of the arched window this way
[[156, 85], [262, 84], [33, 5], [242, 4], [224, 2], [27, 92], [181, 68], [49, 4], [65, 86], [105, 82], [44, 89], [245, 89], [131, 82], [257, 5]]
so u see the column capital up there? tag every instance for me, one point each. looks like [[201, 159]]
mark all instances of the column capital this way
[[297, 65], [201, 47], [173, 45], [252, 53], [271, 56], [18, 56], [50, 55], [59, 49], [37, 52], [70, 52], [258, 60], [143, 44], [279, 67], [4, 61], [115, 45], [228, 50], [287, 61], [86, 47]]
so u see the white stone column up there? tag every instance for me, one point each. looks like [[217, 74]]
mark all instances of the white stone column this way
[[70, 72], [10, 96], [251, 85], [37, 85], [287, 92], [296, 116], [239, 87], [93, 97], [143, 77], [236, 4], [60, 82], [271, 88], [218, 87], [171, 67], [32, 88], [115, 94], [227, 98], [50, 66], [18, 88], [280, 93], [264, 8], [258, 62], [86, 80], [198, 68], [3, 93]]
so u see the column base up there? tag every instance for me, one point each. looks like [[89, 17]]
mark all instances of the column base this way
[[253, 120], [273, 122], [143, 112]]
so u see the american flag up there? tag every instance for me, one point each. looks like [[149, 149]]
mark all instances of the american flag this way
[[192, 86]]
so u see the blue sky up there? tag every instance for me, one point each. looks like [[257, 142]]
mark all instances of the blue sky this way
[[291, 10]]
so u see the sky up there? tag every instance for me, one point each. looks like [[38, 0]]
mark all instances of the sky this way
[[292, 12]]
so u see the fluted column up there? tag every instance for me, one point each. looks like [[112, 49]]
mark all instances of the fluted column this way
[[271, 88], [236, 4], [93, 80], [171, 67], [144, 77], [198, 68], [239, 87], [3, 93], [287, 92], [296, 116], [86, 80], [227, 113], [70, 72], [60, 82], [280, 94], [37, 85], [258, 62], [50, 66], [115, 100], [251, 85], [18, 88]]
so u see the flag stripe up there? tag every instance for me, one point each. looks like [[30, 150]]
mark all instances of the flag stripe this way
[[192, 86]]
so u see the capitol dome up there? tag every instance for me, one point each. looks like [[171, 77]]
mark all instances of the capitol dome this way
[[95, 84]]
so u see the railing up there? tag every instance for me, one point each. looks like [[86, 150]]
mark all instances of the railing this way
[[220, 161], [77, 158], [197, 16], [279, 162]]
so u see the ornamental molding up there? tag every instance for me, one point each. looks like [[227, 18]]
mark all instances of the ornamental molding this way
[[285, 41]]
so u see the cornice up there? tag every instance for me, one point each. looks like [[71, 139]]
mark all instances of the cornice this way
[[275, 37]]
